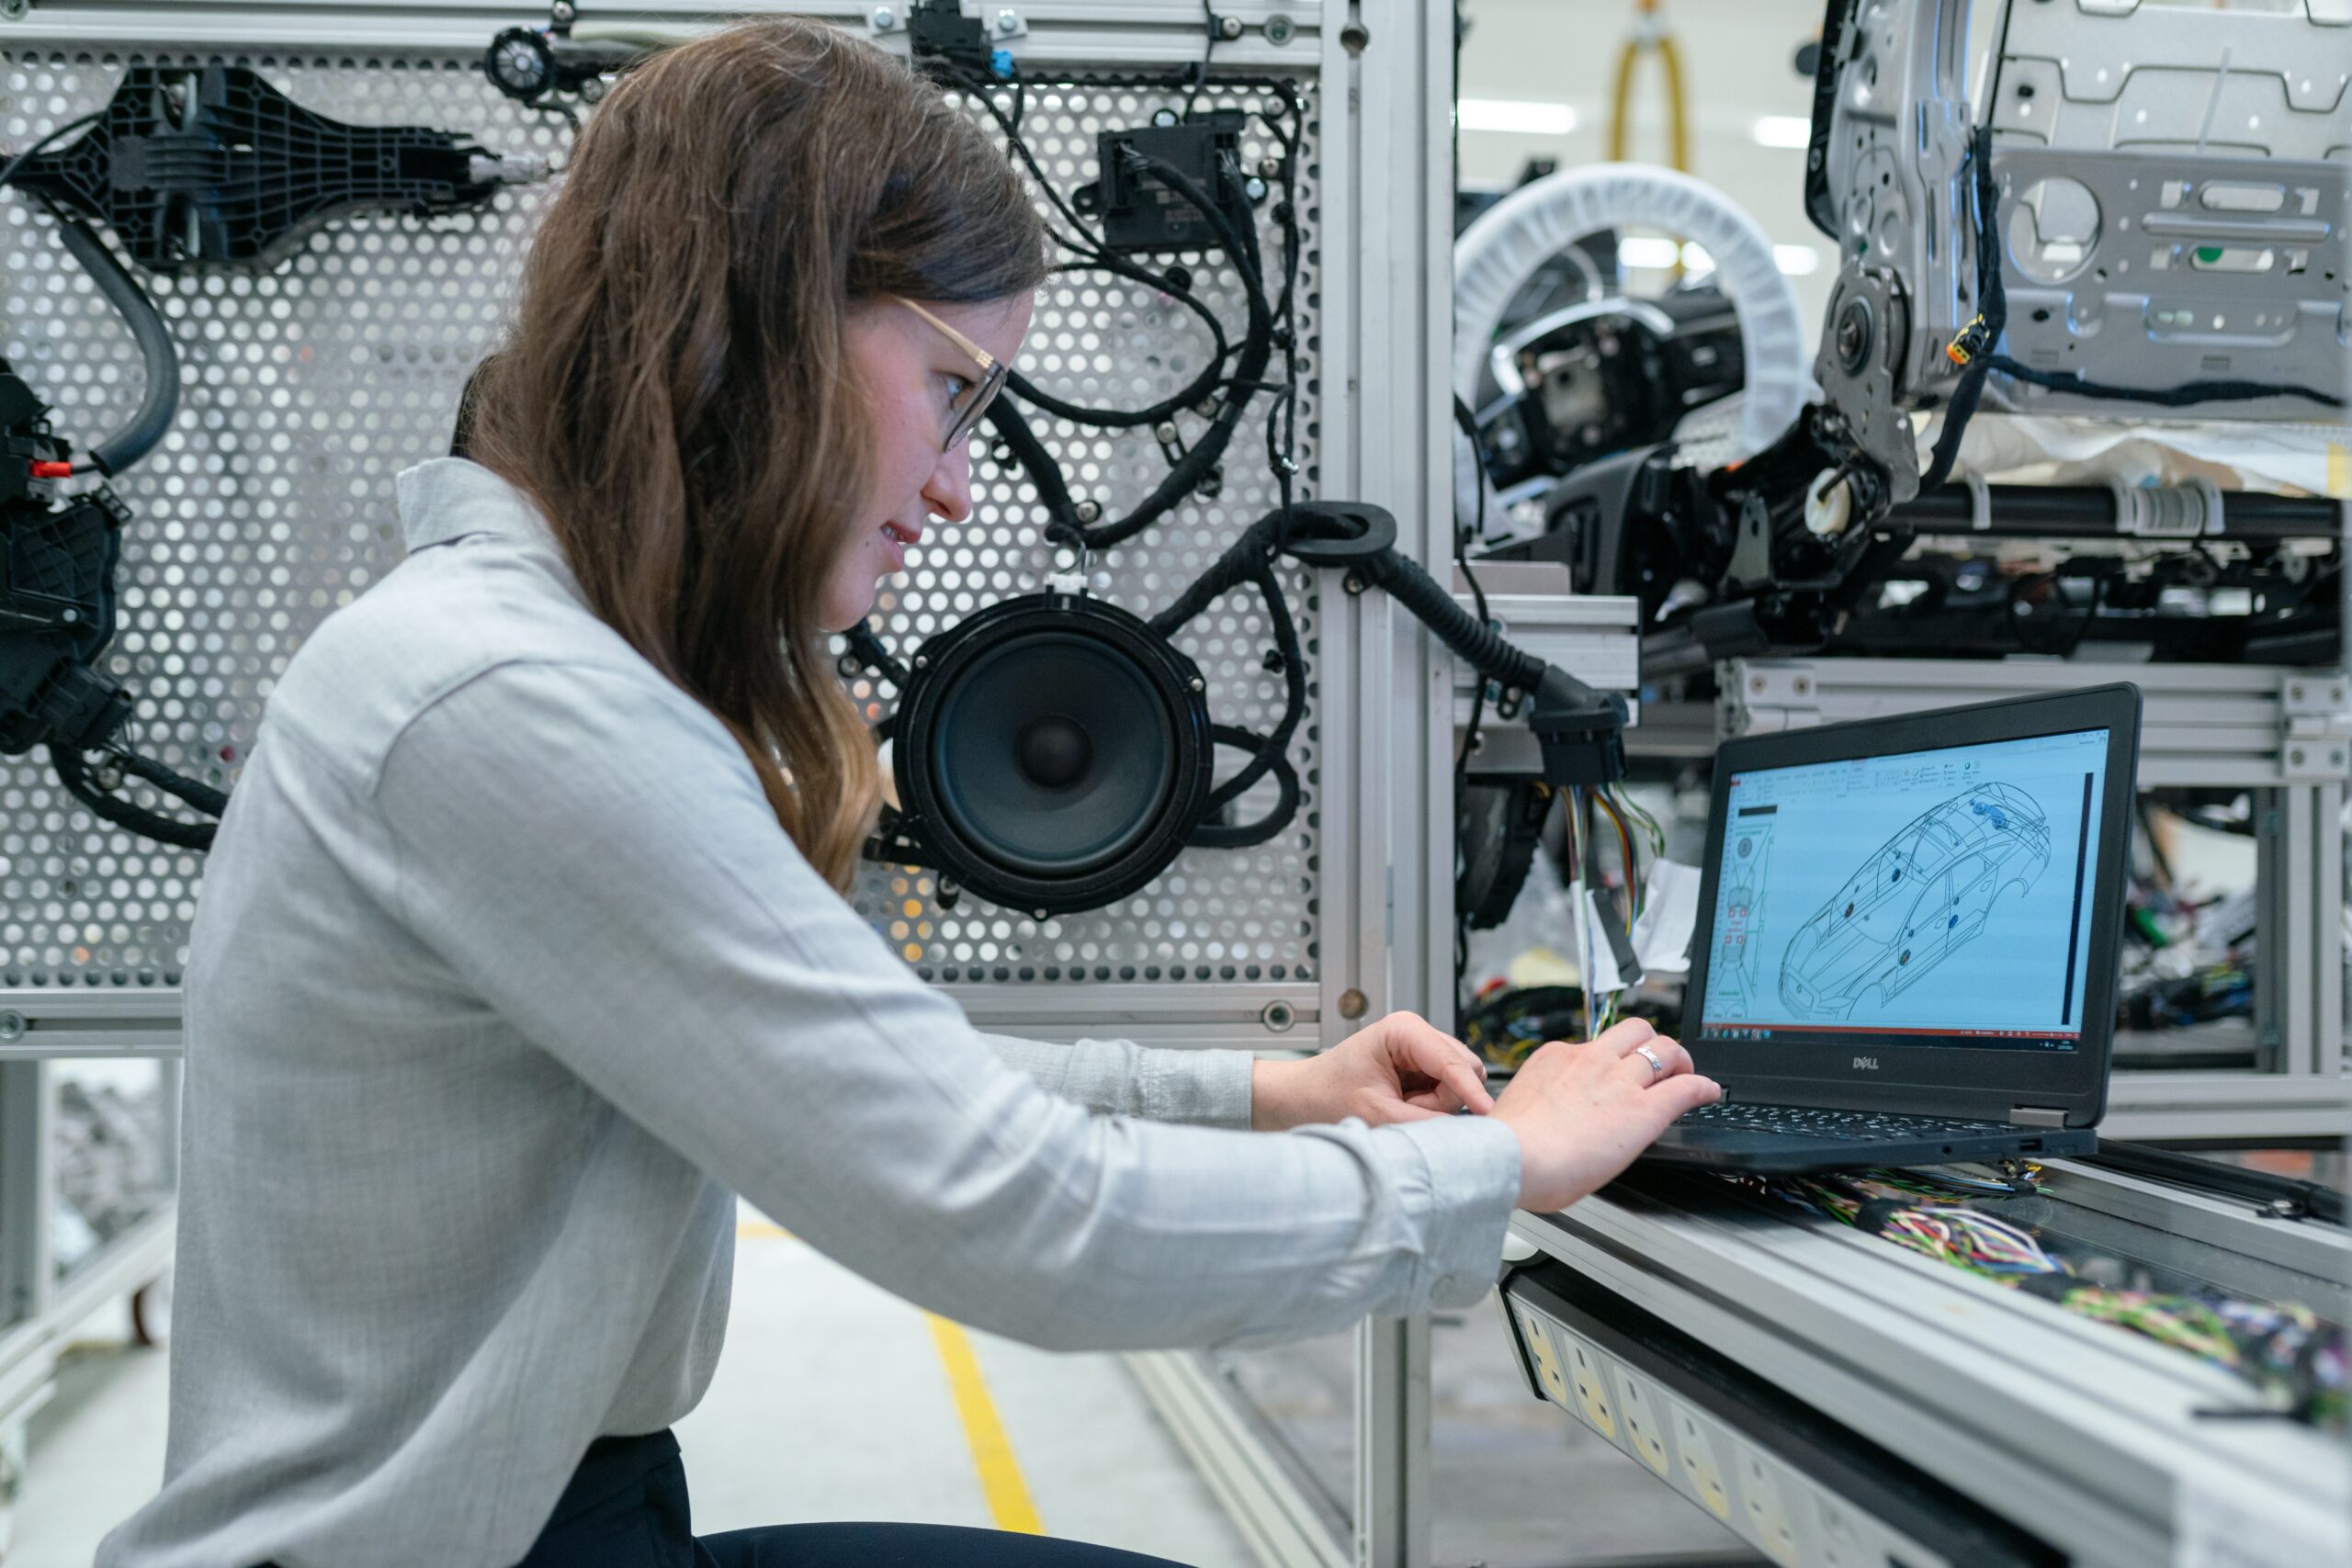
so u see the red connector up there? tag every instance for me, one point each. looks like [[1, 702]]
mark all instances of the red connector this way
[[51, 470]]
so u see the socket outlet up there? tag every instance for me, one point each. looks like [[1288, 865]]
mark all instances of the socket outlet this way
[[1644, 1412], [1841, 1544], [1592, 1387], [1768, 1521], [1546, 1359], [1701, 1461]]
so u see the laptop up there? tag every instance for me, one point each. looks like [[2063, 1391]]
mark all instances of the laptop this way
[[1909, 935]]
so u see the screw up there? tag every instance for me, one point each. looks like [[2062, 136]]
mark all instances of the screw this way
[[2295, 694], [1270, 167], [1228, 26], [1853, 337], [12, 1026], [1163, 117], [1197, 684], [1280, 29], [883, 18], [1803, 683], [922, 660], [1008, 22], [1352, 582], [1755, 682], [1277, 1016], [2296, 756], [564, 11], [1164, 433], [1043, 915], [1088, 510], [1352, 1003]]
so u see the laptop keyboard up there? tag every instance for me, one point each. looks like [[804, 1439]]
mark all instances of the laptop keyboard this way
[[1845, 1126]]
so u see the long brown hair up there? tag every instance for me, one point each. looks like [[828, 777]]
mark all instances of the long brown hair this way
[[675, 394]]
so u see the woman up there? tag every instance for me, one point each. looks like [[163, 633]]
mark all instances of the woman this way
[[522, 950]]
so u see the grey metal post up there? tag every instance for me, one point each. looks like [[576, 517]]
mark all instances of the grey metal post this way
[[25, 1181], [1398, 63]]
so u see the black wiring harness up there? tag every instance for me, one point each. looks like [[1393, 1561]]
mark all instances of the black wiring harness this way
[[1976, 349], [1578, 728], [193, 168], [58, 592], [1222, 393]]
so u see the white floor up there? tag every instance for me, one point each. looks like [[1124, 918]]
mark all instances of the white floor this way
[[831, 1401]]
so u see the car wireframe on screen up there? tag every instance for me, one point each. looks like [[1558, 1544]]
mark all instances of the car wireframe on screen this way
[[1926, 893]]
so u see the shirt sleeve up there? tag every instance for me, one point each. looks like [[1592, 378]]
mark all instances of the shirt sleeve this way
[[1207, 1088], [591, 853]]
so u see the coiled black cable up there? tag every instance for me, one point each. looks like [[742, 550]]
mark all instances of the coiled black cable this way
[[1257, 352], [1202, 385]]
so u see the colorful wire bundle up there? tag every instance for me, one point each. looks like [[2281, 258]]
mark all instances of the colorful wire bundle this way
[[2298, 1361], [1626, 815]]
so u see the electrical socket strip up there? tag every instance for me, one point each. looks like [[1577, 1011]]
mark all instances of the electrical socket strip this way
[[1784, 1513]]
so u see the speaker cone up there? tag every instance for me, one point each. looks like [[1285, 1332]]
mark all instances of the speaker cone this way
[[1052, 753]]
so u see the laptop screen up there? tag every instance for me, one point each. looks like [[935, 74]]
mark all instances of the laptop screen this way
[[1936, 897]]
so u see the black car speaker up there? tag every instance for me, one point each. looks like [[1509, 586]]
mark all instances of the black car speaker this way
[[1052, 752]]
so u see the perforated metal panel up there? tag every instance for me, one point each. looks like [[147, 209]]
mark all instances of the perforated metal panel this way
[[306, 389], [1101, 341]]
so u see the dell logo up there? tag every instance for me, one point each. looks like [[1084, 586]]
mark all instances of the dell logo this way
[[1866, 1063]]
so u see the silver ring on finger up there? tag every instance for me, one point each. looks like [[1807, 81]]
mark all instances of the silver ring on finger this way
[[1658, 1063]]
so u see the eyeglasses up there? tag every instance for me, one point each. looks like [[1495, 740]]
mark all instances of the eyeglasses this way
[[965, 412]]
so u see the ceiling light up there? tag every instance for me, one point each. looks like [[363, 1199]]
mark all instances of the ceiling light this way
[[1515, 115]]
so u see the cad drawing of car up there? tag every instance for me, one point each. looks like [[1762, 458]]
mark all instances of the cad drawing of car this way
[[1927, 892]]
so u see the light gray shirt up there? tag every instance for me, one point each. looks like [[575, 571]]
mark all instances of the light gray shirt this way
[[504, 982]]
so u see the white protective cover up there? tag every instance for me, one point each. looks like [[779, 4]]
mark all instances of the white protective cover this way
[[1502, 248]]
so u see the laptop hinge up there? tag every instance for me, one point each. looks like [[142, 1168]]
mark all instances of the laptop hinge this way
[[2036, 1116]]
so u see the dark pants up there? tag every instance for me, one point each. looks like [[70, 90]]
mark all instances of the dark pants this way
[[627, 1508]]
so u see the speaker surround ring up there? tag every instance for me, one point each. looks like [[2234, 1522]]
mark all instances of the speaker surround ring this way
[[1052, 753]]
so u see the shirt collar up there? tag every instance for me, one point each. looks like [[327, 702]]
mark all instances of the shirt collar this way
[[450, 498]]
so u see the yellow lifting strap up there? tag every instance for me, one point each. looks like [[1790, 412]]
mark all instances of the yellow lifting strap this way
[[1650, 36]]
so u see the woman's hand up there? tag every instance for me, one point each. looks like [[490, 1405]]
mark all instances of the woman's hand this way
[[1582, 1113], [1400, 1069]]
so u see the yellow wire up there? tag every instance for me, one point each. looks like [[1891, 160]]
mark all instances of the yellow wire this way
[[1678, 109], [1670, 55]]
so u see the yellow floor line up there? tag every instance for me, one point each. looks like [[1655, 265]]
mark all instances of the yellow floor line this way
[[760, 1230], [1000, 1482]]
